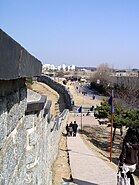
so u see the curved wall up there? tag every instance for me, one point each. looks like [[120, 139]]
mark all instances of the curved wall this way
[[65, 100]]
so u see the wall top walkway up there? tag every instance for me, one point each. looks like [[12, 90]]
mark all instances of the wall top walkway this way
[[15, 61]]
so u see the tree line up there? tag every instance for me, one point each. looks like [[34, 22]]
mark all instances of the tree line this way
[[126, 96]]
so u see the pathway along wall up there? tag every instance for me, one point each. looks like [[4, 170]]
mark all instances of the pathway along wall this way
[[28, 137]]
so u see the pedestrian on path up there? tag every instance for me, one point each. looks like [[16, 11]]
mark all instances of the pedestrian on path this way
[[129, 156], [74, 127], [67, 129], [70, 129]]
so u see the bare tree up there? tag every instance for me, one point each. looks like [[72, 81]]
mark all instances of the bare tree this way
[[127, 91], [102, 75]]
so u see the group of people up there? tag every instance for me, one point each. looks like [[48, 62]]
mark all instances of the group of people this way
[[72, 129]]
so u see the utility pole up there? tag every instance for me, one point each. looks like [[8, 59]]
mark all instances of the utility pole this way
[[112, 119]]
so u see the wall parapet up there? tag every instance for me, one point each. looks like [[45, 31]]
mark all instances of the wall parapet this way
[[36, 106], [16, 62], [65, 101]]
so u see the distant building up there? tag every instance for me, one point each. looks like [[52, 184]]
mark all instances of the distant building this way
[[126, 73], [64, 67], [58, 68], [69, 68], [73, 68], [48, 67]]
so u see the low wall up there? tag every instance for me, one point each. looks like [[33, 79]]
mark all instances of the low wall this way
[[65, 100], [28, 138]]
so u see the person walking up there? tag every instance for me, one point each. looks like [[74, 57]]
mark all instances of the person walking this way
[[70, 128], [74, 127], [67, 129], [129, 156]]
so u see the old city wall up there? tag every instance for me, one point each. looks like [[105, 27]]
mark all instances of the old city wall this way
[[28, 137], [66, 99]]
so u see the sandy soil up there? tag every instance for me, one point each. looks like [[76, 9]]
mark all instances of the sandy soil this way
[[61, 167], [52, 95]]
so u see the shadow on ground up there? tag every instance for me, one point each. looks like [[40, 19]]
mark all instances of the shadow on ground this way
[[100, 137], [79, 182]]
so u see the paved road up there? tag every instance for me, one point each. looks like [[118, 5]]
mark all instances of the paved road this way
[[87, 167], [90, 92]]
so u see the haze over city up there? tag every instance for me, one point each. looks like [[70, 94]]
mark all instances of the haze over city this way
[[79, 32]]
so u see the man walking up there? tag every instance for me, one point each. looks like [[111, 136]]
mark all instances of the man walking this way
[[74, 127]]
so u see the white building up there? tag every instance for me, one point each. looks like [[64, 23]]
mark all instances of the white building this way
[[58, 68], [48, 67], [64, 67], [73, 68], [69, 68]]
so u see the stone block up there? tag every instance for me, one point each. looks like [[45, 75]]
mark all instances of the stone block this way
[[12, 111], [21, 138], [23, 101], [29, 121], [9, 161], [3, 118], [29, 178], [1, 180], [33, 138], [20, 173]]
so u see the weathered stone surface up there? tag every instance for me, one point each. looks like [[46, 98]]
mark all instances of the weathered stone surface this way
[[32, 96], [36, 106], [21, 138], [28, 121], [19, 176], [23, 101], [29, 178], [11, 86], [16, 62], [3, 117], [28, 147], [2, 130], [33, 138], [15, 109], [12, 109], [9, 161], [30, 156], [2, 180]]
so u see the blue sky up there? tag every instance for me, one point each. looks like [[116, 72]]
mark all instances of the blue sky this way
[[80, 32]]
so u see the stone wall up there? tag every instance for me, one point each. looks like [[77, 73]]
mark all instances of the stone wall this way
[[28, 141], [66, 99], [13, 104], [15, 61], [28, 137]]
